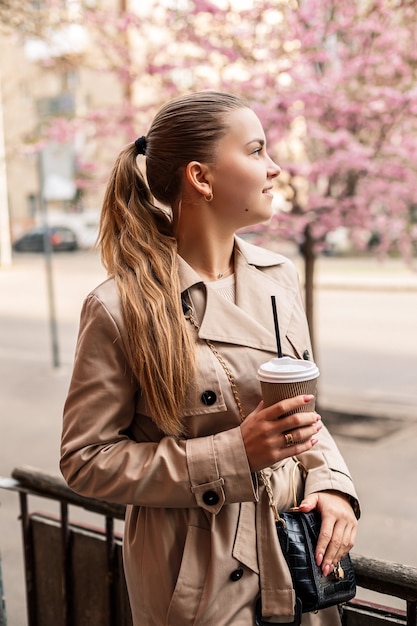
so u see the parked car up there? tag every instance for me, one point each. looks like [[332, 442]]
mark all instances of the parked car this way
[[84, 224], [60, 237]]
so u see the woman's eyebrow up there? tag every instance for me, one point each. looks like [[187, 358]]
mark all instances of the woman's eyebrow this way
[[261, 141]]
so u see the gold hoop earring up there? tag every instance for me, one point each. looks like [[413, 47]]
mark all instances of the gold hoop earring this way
[[209, 197]]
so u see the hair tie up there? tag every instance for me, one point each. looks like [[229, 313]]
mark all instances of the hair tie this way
[[140, 144]]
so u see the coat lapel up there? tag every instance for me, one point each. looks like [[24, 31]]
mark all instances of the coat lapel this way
[[249, 322]]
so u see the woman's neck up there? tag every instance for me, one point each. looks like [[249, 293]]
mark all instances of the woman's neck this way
[[211, 260], [204, 240]]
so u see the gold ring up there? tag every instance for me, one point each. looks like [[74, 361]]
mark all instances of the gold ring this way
[[289, 440]]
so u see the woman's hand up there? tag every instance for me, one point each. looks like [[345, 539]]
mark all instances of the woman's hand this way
[[338, 526], [269, 437]]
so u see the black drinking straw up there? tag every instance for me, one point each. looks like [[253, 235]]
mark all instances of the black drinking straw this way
[[274, 309]]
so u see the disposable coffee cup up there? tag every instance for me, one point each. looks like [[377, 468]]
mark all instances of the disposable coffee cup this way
[[286, 377]]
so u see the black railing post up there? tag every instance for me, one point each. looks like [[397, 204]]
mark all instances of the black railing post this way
[[111, 578], [28, 554], [411, 613], [67, 591]]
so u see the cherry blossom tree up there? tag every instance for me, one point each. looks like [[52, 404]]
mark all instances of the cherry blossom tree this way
[[354, 85], [15, 15], [334, 84]]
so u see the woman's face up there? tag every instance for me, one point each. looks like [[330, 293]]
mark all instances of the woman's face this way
[[243, 172]]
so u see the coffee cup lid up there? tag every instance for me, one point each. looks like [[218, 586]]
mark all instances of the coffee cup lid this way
[[287, 370]]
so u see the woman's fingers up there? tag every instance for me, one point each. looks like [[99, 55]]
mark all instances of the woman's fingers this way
[[340, 543], [280, 409], [270, 434], [301, 429], [338, 529]]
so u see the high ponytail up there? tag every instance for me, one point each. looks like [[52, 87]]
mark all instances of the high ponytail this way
[[140, 252]]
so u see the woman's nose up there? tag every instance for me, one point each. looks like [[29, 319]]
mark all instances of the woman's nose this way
[[274, 170]]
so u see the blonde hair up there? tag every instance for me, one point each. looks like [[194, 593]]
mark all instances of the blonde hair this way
[[139, 249]]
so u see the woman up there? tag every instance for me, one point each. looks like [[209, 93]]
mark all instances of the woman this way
[[164, 410]]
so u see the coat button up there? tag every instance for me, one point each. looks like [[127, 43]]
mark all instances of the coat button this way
[[236, 575], [306, 355], [208, 397], [210, 498]]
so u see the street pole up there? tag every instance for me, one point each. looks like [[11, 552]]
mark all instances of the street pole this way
[[48, 265], [5, 245], [2, 601]]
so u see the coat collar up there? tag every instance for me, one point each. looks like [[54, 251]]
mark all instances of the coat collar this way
[[253, 255], [249, 322]]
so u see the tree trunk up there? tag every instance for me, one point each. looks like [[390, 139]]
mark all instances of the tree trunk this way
[[309, 256]]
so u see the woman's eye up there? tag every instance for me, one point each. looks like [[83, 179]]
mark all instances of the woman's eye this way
[[257, 151]]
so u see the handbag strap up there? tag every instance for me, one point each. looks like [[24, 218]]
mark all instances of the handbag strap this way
[[294, 489], [265, 479], [232, 381]]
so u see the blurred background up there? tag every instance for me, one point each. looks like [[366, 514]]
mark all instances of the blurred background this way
[[334, 85]]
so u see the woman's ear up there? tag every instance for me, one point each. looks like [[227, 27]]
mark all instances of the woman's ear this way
[[198, 175]]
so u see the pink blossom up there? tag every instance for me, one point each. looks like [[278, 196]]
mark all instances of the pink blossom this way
[[332, 82]]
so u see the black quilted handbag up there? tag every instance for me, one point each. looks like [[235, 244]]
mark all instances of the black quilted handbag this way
[[298, 533]]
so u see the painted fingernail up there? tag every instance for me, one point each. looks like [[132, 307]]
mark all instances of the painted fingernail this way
[[319, 560], [319, 426], [326, 570], [313, 440], [308, 398]]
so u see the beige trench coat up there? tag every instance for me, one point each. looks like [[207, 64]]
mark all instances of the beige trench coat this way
[[200, 542]]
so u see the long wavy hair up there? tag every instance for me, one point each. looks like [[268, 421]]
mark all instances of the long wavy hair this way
[[139, 249]]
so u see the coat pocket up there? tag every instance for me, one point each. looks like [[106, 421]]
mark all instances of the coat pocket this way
[[191, 579]]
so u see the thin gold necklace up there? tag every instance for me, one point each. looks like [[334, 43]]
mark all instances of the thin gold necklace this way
[[216, 276]]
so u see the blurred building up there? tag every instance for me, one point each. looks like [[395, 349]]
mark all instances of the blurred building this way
[[19, 80], [47, 82]]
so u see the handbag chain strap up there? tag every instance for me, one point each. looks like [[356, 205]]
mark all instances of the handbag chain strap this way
[[189, 316], [233, 385]]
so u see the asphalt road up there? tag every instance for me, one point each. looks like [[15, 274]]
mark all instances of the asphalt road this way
[[367, 340]]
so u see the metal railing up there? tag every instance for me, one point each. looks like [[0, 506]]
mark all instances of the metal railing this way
[[82, 581]]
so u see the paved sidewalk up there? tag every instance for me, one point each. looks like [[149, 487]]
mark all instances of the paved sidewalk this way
[[368, 274], [33, 392]]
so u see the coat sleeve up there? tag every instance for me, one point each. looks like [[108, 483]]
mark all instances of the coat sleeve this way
[[327, 470], [100, 459]]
